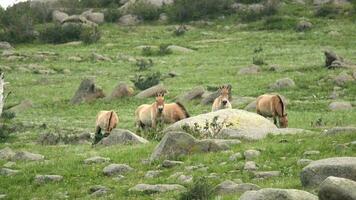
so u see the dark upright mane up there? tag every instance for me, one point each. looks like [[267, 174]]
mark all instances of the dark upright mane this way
[[280, 99], [111, 113], [184, 110]]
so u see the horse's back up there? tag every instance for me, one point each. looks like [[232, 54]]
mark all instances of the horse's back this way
[[143, 113], [264, 105], [174, 112]]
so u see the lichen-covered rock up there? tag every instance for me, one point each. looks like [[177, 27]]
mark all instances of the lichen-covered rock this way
[[115, 169], [340, 130], [96, 160], [152, 91], [159, 188], [340, 105], [121, 90], [278, 194], [6, 153], [282, 84], [42, 179], [194, 93], [27, 156], [230, 187], [122, 137], [334, 188], [87, 92]]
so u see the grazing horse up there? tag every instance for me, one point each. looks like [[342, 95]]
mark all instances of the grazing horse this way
[[269, 105], [222, 102], [150, 115], [106, 120]]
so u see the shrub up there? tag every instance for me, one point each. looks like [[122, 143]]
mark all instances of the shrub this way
[[147, 51], [21, 31], [330, 10], [90, 35], [185, 10], [256, 12], [144, 64], [279, 23], [258, 57], [143, 82], [145, 11], [201, 189], [180, 30], [164, 50], [112, 15]]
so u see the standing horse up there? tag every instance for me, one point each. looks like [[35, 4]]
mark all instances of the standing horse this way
[[269, 105], [106, 120], [150, 115], [222, 102]]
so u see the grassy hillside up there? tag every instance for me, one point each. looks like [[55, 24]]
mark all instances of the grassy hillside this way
[[220, 51]]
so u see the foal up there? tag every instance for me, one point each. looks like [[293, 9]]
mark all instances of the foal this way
[[222, 102], [269, 105], [106, 120]]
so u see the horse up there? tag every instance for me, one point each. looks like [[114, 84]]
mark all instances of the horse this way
[[149, 115], [222, 102], [106, 120], [269, 105]]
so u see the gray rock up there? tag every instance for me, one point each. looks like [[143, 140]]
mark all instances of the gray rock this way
[[278, 194], [175, 144], [354, 75], [209, 97], [8, 172], [303, 162], [98, 190], [27, 156], [123, 137], [343, 78], [341, 105], [235, 156], [230, 187], [42, 179], [75, 58], [266, 174], [99, 57], [6, 153], [311, 153], [153, 174], [58, 16], [317, 171], [24, 105], [179, 49], [9, 164], [159, 188], [304, 26], [194, 93], [121, 90], [96, 17], [340, 130], [87, 92], [171, 163], [251, 154], [250, 166], [254, 69], [129, 20], [185, 179], [5, 45], [334, 188], [96, 160], [336, 2], [116, 169], [151, 92], [282, 84], [251, 106]]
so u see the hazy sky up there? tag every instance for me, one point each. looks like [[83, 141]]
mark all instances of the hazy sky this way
[[6, 3]]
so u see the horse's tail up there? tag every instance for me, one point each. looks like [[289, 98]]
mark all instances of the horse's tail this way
[[282, 104], [109, 123], [183, 109]]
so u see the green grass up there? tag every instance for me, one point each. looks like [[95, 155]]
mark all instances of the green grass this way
[[220, 53]]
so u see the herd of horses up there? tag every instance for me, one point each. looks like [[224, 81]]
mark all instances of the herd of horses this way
[[149, 115]]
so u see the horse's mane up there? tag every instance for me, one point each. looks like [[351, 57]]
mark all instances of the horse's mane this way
[[183, 108], [280, 99], [111, 114]]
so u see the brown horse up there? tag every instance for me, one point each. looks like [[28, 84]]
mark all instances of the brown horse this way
[[269, 105], [150, 115], [106, 120], [222, 102]]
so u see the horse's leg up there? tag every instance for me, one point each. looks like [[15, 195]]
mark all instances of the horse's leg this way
[[275, 121], [98, 136]]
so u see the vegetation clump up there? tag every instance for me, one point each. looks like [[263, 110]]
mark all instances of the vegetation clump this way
[[143, 82]]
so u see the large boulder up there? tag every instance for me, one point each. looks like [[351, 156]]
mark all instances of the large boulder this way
[[5, 45], [58, 16], [175, 144], [179, 49], [27, 156], [87, 92], [340, 105], [278, 194], [282, 84], [253, 69], [123, 137], [128, 4], [334, 188], [78, 20], [116, 169], [340, 130], [159, 188], [194, 93], [42, 179], [6, 153], [317, 171], [343, 78], [121, 90], [151, 92], [129, 20], [96, 17]]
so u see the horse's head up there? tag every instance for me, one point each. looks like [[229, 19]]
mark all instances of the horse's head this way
[[160, 102], [224, 94], [283, 121]]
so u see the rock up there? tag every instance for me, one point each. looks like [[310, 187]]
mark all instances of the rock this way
[[179, 49], [118, 178], [77, 20], [98, 57], [98, 190], [266, 174], [87, 92], [96, 17], [235, 156], [75, 58], [278, 194], [8, 172], [6, 153], [194, 93], [238, 102], [96, 160], [340, 130], [24, 105], [282, 84], [254, 69], [303, 162], [185, 179], [151, 92], [27, 156], [5, 45], [208, 97], [304, 26], [122, 137], [153, 174], [251, 154], [330, 57], [317, 171], [173, 74], [9, 164], [42, 179], [129, 20], [175, 144], [334, 106], [250, 166], [159, 188], [121, 90], [223, 142], [311, 153], [230, 187], [334, 188], [116, 169], [58, 16], [343, 78], [251, 106], [171, 163]]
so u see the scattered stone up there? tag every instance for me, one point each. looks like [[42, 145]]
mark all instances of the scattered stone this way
[[98, 190], [266, 174], [98, 57], [185, 179], [235, 156], [304, 26], [27, 156], [153, 174], [96, 160], [96, 17], [254, 69], [9, 164], [341, 105], [58, 16], [240, 102], [251, 154], [116, 169], [311, 153], [334, 188], [129, 20], [6, 153], [340, 130], [5, 45], [87, 92], [343, 78], [159, 188], [42, 179], [151, 92], [304, 162], [121, 90], [8, 172], [317, 171], [194, 167], [122, 137], [173, 74], [282, 84], [251, 106], [213, 176], [230, 187], [330, 57], [24, 105], [179, 49], [195, 93], [75, 59], [171, 163], [278, 194], [250, 166]]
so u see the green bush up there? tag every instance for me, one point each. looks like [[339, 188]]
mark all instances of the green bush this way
[[21, 31], [143, 82], [330, 10], [185, 10], [112, 15], [164, 50], [90, 35], [147, 51], [144, 64], [279, 23], [201, 189], [145, 11]]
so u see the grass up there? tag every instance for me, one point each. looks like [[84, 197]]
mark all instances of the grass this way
[[219, 54]]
